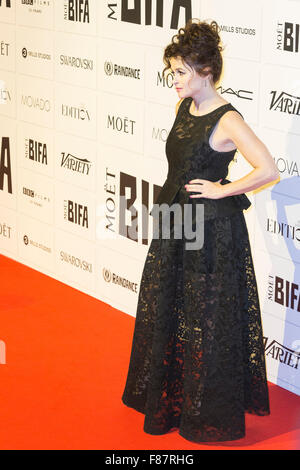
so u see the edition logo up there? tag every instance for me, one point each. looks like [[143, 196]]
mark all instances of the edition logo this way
[[120, 70], [36, 151], [288, 36], [5, 165], [284, 292], [79, 165], [284, 230], [285, 102], [281, 353], [76, 213], [134, 15], [75, 113], [77, 10], [108, 276]]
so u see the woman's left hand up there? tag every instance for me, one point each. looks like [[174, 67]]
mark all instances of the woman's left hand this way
[[207, 189]]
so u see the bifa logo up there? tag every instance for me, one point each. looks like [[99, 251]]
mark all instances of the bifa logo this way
[[2, 353]]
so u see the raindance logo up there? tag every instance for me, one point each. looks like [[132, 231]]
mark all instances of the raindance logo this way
[[281, 353], [121, 71], [121, 281], [285, 103], [288, 36]]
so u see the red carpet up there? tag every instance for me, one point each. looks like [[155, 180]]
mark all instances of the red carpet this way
[[66, 363]]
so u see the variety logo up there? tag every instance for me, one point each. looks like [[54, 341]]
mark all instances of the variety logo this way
[[283, 229], [76, 213], [73, 163], [5, 165], [77, 11], [285, 103], [134, 15], [108, 276], [121, 70], [288, 36], [281, 353]]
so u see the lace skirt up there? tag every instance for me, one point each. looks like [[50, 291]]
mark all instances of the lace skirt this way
[[197, 362]]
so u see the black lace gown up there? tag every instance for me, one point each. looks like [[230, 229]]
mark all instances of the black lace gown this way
[[197, 361]]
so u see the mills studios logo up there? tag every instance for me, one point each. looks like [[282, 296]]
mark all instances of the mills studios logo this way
[[77, 11], [109, 276], [35, 54], [287, 36], [5, 165], [284, 292], [28, 241], [36, 151], [75, 164], [133, 14], [112, 69], [76, 213], [285, 103]]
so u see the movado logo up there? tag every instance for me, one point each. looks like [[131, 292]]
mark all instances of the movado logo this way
[[134, 14], [5, 165], [288, 36], [77, 11]]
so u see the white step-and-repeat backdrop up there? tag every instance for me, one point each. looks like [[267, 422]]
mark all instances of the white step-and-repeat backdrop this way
[[84, 116]]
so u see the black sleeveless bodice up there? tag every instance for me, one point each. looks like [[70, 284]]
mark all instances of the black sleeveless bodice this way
[[190, 156]]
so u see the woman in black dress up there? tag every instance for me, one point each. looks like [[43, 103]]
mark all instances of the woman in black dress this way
[[197, 361]]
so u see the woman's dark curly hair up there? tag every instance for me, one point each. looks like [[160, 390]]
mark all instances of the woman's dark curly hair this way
[[198, 45]]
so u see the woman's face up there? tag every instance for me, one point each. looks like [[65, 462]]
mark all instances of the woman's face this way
[[185, 79]]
